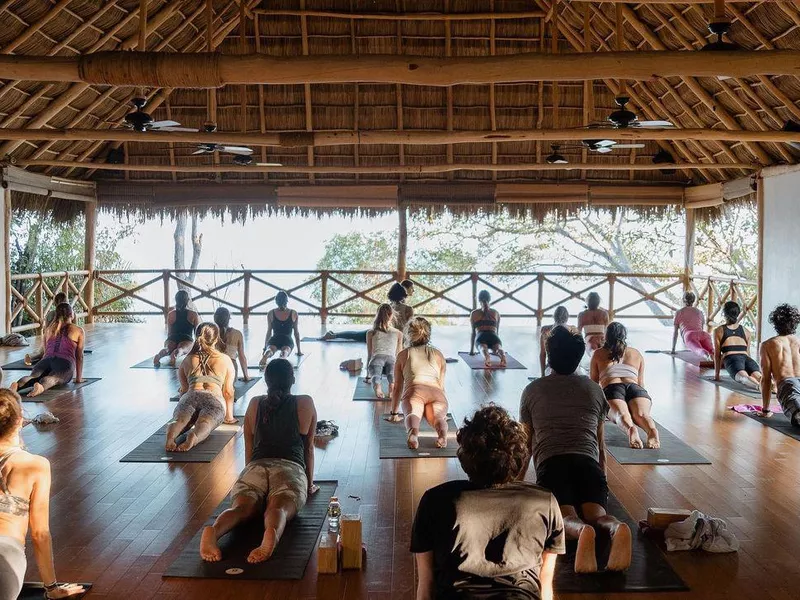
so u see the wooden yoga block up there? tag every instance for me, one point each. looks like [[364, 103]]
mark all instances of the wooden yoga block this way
[[659, 518], [328, 553], [351, 542]]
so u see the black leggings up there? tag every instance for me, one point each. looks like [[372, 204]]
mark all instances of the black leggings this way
[[49, 372]]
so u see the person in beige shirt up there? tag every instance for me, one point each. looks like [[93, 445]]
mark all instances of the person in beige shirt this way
[[780, 364]]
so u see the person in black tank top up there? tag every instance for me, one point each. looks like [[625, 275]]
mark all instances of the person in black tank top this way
[[279, 465], [731, 349], [181, 323], [485, 323], [280, 330]]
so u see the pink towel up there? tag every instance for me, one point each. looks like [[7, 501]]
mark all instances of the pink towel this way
[[747, 408]]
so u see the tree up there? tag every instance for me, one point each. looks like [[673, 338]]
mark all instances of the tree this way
[[180, 244]]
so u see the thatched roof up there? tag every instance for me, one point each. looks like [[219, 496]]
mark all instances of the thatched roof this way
[[77, 27]]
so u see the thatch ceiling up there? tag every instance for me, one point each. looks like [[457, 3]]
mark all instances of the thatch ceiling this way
[[71, 27]]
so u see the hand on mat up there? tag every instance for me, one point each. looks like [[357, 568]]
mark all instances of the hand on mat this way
[[245, 378], [65, 590], [231, 421], [764, 415], [81, 380], [472, 353], [313, 489], [298, 353], [717, 378]]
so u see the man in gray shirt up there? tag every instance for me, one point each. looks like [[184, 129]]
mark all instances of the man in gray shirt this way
[[564, 414]]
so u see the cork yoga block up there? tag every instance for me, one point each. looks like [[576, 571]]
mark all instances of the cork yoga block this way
[[351, 542], [659, 518], [328, 554]]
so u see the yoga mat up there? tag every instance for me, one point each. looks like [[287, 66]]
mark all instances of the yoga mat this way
[[240, 388], [19, 365], [287, 562], [148, 364], [734, 386], [152, 449], [364, 391], [779, 422], [35, 590], [673, 451], [293, 358], [450, 360], [58, 391], [649, 570], [476, 362], [686, 356], [334, 341], [393, 440]]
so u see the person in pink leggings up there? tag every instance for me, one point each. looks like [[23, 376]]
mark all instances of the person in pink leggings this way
[[690, 321]]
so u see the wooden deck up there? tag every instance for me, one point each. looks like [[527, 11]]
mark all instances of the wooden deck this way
[[121, 525]]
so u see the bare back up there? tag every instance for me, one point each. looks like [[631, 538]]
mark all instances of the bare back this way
[[783, 356], [219, 369], [27, 477], [601, 361]]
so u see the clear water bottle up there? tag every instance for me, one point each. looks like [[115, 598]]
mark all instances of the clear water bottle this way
[[334, 514]]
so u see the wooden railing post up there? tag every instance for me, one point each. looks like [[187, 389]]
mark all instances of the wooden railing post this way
[[710, 304], [323, 310], [474, 279], [732, 289], [89, 295], [540, 299], [246, 301], [89, 257], [65, 285], [165, 276], [40, 300], [612, 279]]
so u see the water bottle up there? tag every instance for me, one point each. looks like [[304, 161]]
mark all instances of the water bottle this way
[[334, 514]]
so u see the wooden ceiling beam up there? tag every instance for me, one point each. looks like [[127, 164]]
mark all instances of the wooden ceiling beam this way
[[403, 16], [33, 28]]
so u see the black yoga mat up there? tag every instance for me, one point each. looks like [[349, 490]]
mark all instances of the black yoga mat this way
[[287, 562], [649, 570], [394, 445], [673, 451], [364, 391], [333, 341], [58, 391], [240, 388], [734, 386], [19, 365], [35, 591], [476, 361], [779, 422], [152, 449], [148, 364]]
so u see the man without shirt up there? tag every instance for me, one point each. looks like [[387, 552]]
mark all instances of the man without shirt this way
[[780, 363]]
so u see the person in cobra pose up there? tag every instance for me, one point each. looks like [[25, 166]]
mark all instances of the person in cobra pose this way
[[593, 321], [24, 504], [780, 358], [419, 384], [181, 323], [354, 335], [206, 401], [231, 341], [619, 369], [59, 298], [409, 287], [384, 343], [690, 322], [278, 476], [63, 355], [402, 311], [281, 324], [560, 317], [731, 349], [485, 323]]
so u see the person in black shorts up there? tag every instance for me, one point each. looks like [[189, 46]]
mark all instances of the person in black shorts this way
[[731, 349], [281, 324], [564, 413]]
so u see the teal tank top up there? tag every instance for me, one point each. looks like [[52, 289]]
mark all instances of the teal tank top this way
[[277, 433]]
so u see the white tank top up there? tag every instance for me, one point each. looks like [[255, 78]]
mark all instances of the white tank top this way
[[421, 366], [385, 342]]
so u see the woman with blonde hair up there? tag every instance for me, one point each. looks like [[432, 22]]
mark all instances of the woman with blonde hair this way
[[231, 341], [384, 343], [419, 384], [24, 504], [206, 377], [63, 355]]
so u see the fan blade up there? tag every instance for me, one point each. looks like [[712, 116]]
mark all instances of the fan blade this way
[[189, 129], [629, 146], [653, 124], [269, 164], [604, 149], [160, 124], [243, 150], [202, 151], [605, 143]]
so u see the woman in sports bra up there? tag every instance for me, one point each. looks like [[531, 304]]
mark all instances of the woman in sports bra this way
[[731, 349], [384, 343], [619, 369], [281, 324], [24, 504], [181, 323], [402, 312], [485, 323], [419, 385], [63, 355], [231, 341], [206, 377], [592, 322]]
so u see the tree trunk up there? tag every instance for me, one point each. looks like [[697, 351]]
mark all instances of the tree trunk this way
[[197, 246]]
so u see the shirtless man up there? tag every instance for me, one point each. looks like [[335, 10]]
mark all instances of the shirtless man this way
[[780, 363]]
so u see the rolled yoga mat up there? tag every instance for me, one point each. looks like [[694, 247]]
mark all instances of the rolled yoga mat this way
[[734, 386], [19, 365], [240, 388], [287, 562], [35, 591], [779, 422], [58, 391], [365, 392], [393, 440], [649, 570], [673, 451], [152, 449], [477, 362]]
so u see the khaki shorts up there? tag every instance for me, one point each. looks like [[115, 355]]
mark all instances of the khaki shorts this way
[[262, 479]]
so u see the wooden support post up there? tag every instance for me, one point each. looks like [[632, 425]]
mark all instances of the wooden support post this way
[[710, 304], [402, 241], [165, 277], [323, 310], [612, 279], [7, 254], [40, 303], [474, 279], [688, 249], [89, 257], [540, 298], [760, 277], [246, 301]]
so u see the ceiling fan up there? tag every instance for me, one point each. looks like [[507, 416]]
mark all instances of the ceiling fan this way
[[555, 158], [606, 146], [622, 118], [139, 120], [210, 148], [245, 160]]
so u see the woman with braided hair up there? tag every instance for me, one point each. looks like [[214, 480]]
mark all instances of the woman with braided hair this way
[[206, 377]]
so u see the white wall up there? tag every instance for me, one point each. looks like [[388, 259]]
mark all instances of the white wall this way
[[781, 227]]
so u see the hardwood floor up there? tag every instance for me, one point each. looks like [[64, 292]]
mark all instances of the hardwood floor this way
[[121, 525]]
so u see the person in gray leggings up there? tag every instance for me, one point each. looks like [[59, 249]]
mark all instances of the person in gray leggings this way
[[24, 503]]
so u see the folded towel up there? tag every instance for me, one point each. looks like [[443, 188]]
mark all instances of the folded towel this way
[[700, 531]]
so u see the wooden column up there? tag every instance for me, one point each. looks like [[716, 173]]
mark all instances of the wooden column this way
[[7, 255], [89, 256], [760, 277], [402, 241], [688, 249]]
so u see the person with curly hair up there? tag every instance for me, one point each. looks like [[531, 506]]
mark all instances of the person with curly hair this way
[[732, 349], [690, 322], [493, 536], [564, 414], [780, 359], [619, 369]]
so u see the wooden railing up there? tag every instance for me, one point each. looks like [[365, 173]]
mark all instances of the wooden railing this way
[[356, 294]]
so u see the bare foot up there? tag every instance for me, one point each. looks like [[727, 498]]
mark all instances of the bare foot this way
[[634, 439], [265, 358], [189, 443], [503, 359], [38, 388], [619, 558], [28, 360], [264, 551], [13, 387], [157, 359], [378, 391], [285, 353], [170, 445], [413, 439], [173, 358], [652, 440], [585, 559], [441, 441], [209, 551]]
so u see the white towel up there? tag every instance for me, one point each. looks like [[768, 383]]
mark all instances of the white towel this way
[[700, 531]]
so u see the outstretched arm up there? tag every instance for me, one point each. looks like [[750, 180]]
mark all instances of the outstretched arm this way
[[228, 391], [296, 319], [674, 337], [308, 450], [472, 335], [79, 357], [397, 391], [243, 359], [269, 330], [543, 351], [39, 519], [766, 382], [717, 352]]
